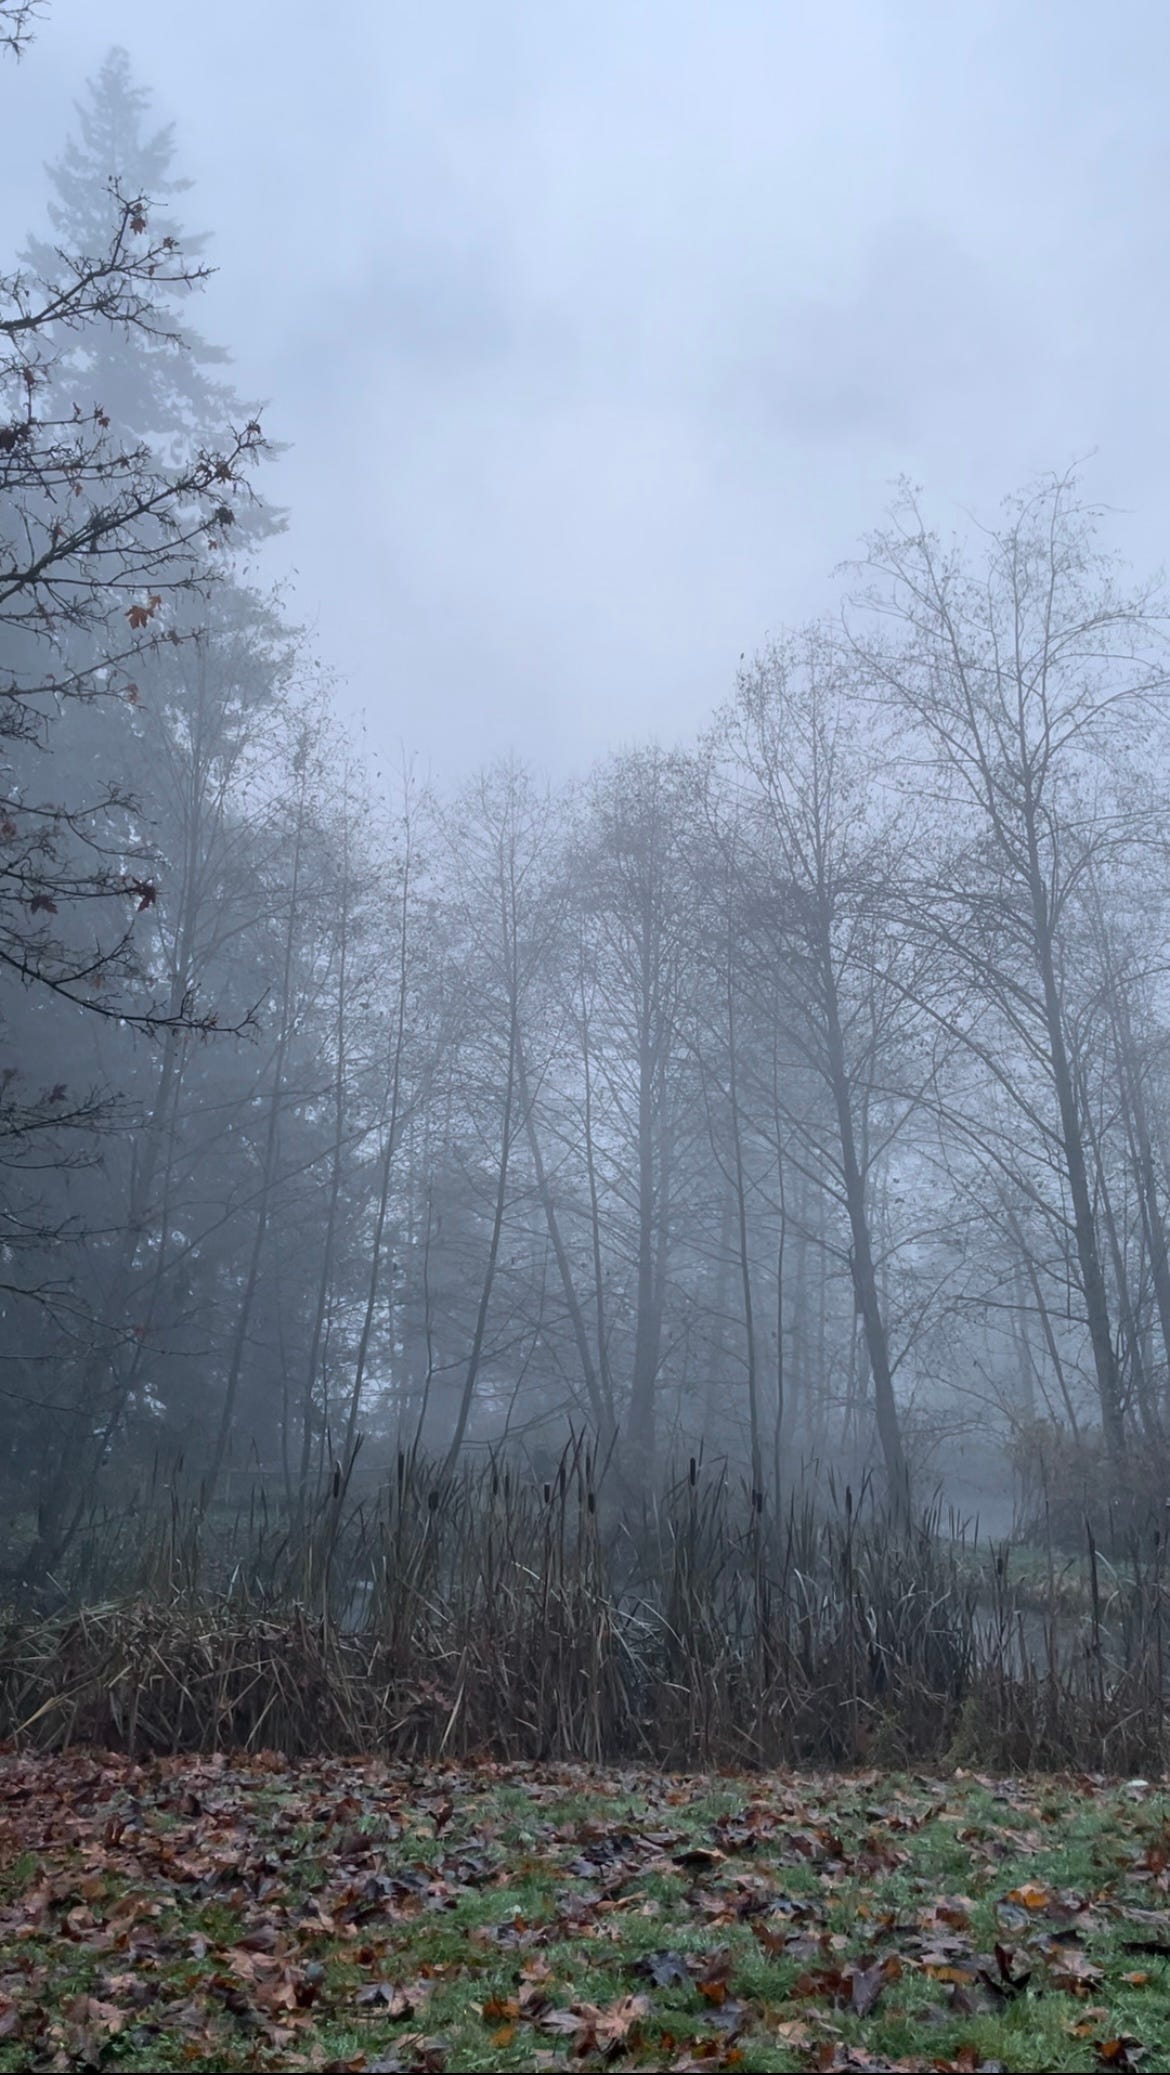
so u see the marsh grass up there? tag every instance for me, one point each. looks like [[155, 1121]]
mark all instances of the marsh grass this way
[[486, 1612]]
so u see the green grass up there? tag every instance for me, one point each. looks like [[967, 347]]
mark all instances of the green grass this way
[[1044, 1581], [194, 1914]]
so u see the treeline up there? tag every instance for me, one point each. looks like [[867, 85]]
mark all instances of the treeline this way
[[799, 1093]]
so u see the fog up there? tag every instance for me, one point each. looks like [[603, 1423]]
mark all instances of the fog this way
[[597, 334], [584, 724]]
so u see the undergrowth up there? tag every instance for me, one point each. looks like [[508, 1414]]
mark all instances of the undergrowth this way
[[483, 1613]]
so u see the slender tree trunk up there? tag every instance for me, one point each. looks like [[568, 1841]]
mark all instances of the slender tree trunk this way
[[642, 1423], [861, 1261], [1092, 1276], [781, 1325], [602, 1414], [267, 1184], [325, 1279], [102, 1394], [604, 1373], [1026, 1256], [1127, 1315], [475, 1357], [1022, 1340], [1141, 1152], [389, 1151], [745, 1266]]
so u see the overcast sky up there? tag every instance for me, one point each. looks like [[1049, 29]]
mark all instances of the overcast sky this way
[[599, 331]]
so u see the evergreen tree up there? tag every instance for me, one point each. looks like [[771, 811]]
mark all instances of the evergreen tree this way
[[113, 574], [155, 381]]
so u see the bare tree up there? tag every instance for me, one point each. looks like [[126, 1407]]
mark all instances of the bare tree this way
[[17, 19], [1023, 679], [498, 843], [634, 880], [827, 856]]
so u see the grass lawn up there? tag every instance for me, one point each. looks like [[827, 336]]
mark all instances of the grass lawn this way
[[202, 1914]]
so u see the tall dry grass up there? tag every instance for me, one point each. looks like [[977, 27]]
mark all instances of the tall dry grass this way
[[488, 1613]]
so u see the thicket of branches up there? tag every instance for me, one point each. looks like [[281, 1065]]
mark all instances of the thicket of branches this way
[[799, 1095]]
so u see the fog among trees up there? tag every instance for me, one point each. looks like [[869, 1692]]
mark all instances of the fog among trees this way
[[585, 1330], [794, 1097]]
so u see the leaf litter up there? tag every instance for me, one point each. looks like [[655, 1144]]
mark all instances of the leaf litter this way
[[225, 1913]]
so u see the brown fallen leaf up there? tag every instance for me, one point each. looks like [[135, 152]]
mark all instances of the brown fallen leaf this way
[[794, 2033], [383, 1999], [412, 2054], [1124, 2051], [1089, 2024], [498, 2008], [1074, 1973], [667, 1970], [1004, 1982], [865, 1987]]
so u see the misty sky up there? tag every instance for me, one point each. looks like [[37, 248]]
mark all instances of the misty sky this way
[[599, 331]]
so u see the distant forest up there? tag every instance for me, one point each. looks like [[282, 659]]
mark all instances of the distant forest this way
[[800, 1094]]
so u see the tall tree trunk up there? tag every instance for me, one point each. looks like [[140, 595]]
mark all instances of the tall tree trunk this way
[[475, 1356], [1092, 1276], [604, 1372], [641, 1430], [1141, 1150], [325, 1279], [600, 1410], [861, 1261], [745, 1265], [223, 1432], [389, 1150], [1032, 1271]]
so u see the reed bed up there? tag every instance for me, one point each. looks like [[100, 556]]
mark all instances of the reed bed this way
[[489, 1614]]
